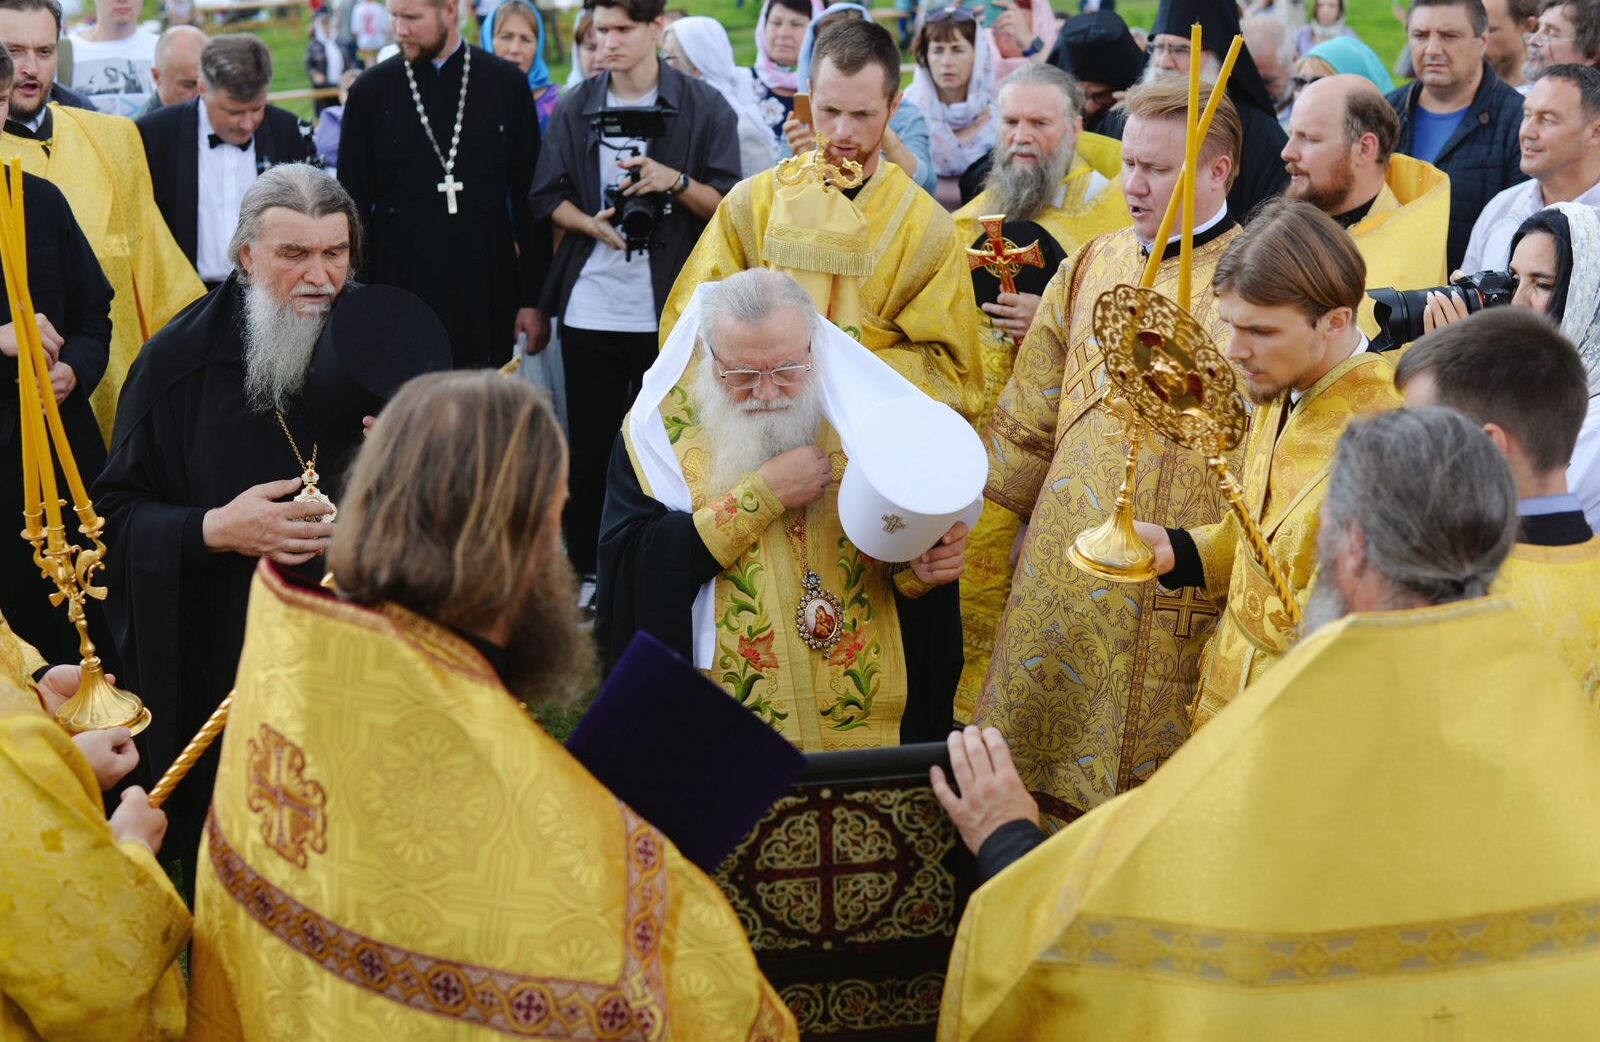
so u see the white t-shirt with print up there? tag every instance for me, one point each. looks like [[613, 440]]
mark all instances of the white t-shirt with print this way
[[115, 75]]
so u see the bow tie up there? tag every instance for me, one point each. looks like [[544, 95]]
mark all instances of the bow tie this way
[[213, 140]]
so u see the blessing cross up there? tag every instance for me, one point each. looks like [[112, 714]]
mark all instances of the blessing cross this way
[[450, 186], [1001, 257]]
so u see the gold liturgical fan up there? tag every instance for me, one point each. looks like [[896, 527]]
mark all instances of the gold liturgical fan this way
[[97, 704], [1163, 364]]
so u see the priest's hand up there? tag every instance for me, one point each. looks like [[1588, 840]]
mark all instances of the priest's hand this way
[[1012, 313], [946, 560], [992, 792], [799, 135], [63, 381], [110, 752], [255, 525], [48, 336], [797, 477], [135, 819], [1157, 539], [1443, 309], [60, 683], [532, 323], [602, 230]]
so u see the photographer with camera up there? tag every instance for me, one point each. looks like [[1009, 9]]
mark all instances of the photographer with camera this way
[[1555, 270], [637, 158]]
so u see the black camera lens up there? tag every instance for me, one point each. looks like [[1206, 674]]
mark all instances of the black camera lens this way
[[1398, 312]]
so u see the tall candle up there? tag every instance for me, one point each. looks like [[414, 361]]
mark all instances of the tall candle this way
[[1191, 163]]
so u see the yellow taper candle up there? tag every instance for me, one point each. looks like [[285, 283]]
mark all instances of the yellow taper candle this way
[[29, 369], [1153, 264], [1191, 163]]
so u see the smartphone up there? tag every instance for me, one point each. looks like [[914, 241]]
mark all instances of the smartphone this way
[[802, 108]]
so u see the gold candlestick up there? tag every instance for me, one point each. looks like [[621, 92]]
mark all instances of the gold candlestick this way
[[97, 704]]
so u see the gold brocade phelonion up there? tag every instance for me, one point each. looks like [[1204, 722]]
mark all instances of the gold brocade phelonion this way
[[97, 704]]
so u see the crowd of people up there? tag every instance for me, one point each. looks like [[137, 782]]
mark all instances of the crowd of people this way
[[435, 409]]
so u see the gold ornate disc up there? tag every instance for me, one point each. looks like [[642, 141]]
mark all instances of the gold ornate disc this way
[[1163, 362]]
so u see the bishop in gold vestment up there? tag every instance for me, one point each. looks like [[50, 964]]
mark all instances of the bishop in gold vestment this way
[[1354, 850], [1091, 204], [397, 850], [1286, 468], [92, 927], [1090, 680], [911, 303], [98, 163]]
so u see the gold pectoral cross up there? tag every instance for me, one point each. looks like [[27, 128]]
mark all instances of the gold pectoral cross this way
[[450, 186], [1001, 257]]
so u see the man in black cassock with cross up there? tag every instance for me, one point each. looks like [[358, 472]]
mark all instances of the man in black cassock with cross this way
[[438, 148]]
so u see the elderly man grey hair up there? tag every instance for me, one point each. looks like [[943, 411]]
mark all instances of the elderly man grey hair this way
[[279, 336], [1024, 190], [757, 320], [1420, 511]]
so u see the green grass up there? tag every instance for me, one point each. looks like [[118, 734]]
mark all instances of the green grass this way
[[1370, 18]]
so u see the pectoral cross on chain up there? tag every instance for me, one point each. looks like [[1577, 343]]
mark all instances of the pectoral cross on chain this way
[[450, 186], [1001, 257]]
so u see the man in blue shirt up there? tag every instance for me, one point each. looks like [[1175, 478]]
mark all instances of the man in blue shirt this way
[[1458, 115]]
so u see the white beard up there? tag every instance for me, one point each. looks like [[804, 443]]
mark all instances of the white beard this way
[[1210, 69], [742, 436], [278, 342]]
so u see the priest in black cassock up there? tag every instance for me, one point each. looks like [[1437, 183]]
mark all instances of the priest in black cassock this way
[[72, 295], [438, 148], [208, 457]]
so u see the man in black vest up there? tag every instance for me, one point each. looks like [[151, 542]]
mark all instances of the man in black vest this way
[[204, 153]]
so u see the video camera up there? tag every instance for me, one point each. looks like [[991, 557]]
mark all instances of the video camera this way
[[1399, 311], [637, 217]]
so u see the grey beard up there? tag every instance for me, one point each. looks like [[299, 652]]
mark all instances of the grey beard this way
[[278, 342], [741, 438], [1022, 193], [1325, 606]]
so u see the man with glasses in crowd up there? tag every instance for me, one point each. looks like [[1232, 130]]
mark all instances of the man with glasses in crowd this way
[[1568, 33]]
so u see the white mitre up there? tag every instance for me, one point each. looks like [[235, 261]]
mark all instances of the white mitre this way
[[916, 467]]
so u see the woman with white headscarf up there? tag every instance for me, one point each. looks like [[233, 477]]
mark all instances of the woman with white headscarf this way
[[699, 47], [1560, 247], [955, 85]]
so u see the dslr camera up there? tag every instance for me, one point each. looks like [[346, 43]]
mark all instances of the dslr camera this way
[[637, 217], [1399, 311]]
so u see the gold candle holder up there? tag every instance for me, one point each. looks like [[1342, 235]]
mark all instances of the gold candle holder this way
[[97, 704]]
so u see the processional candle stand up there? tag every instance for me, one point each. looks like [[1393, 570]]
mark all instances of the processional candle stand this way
[[1166, 374], [69, 567]]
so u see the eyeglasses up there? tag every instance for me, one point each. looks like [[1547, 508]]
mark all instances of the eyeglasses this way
[[749, 379], [1302, 82], [951, 14], [1546, 36], [1177, 50]]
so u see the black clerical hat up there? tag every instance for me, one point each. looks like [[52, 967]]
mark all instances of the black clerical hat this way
[[682, 752], [376, 339], [1219, 24], [1098, 47]]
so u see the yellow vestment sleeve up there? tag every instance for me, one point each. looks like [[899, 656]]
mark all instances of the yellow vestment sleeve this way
[[1216, 544], [163, 278], [729, 524], [19, 660], [92, 929]]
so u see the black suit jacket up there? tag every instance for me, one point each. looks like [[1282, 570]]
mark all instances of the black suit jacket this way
[[171, 140]]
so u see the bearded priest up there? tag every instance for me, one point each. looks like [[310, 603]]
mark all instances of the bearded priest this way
[[1090, 680], [1058, 188], [216, 462], [722, 534], [878, 255]]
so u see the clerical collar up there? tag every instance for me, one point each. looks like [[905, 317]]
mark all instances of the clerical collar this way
[[39, 128], [1203, 234], [1295, 396], [438, 62], [1350, 218], [1552, 521]]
